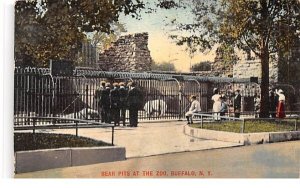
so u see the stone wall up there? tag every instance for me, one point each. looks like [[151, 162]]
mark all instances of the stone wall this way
[[252, 68], [128, 53]]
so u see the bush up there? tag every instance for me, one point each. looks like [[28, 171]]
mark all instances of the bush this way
[[202, 66]]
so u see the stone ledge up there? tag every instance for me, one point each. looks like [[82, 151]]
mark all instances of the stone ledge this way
[[36, 160], [242, 138]]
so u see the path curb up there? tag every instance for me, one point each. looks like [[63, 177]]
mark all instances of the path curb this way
[[242, 138], [36, 160]]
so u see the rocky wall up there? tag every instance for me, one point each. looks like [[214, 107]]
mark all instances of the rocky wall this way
[[252, 68], [129, 53]]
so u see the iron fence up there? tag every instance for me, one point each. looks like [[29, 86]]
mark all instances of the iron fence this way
[[165, 96]]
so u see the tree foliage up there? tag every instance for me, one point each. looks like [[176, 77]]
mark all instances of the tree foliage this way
[[164, 66], [226, 55], [103, 40], [53, 29]]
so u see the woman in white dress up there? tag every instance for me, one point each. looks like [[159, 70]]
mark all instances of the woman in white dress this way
[[217, 104]]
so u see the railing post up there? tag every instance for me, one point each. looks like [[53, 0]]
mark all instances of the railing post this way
[[86, 101], [34, 122], [76, 122], [201, 121], [243, 126], [112, 135], [180, 97]]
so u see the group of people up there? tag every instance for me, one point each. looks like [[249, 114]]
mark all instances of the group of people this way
[[113, 101], [220, 107], [276, 103]]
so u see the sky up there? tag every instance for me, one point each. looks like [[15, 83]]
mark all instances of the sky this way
[[162, 48]]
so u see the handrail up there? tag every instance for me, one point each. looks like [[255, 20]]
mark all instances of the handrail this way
[[242, 127], [76, 121], [208, 115]]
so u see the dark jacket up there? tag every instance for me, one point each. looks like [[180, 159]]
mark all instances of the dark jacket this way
[[105, 98], [224, 107], [237, 101], [115, 98], [98, 95], [135, 98], [123, 92]]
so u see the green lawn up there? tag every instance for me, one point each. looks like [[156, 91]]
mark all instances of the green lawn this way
[[251, 126], [26, 141]]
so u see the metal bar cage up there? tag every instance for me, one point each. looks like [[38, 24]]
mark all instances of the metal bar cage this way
[[165, 96]]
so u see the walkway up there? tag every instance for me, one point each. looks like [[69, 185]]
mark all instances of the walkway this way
[[152, 139], [278, 160]]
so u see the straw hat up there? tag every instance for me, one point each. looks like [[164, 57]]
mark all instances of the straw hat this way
[[193, 97]]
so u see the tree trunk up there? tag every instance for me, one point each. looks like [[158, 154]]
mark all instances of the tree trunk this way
[[264, 86]]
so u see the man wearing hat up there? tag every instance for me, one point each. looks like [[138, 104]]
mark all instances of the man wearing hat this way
[[273, 101], [123, 92], [237, 104], [98, 99], [115, 104], [105, 101], [134, 101]]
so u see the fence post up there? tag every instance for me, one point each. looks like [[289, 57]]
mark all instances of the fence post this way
[[180, 106], [74, 105], [34, 122], [86, 101], [243, 126], [76, 122], [296, 124], [201, 121], [112, 135]]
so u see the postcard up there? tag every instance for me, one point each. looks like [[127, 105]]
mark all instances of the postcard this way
[[156, 89]]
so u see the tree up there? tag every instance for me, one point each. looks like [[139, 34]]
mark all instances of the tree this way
[[226, 55], [54, 29], [103, 40], [224, 60], [202, 66], [263, 26], [164, 66]]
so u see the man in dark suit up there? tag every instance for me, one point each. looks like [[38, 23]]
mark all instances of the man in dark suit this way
[[105, 102], [273, 101], [115, 104], [123, 92], [237, 104], [134, 101], [98, 99]]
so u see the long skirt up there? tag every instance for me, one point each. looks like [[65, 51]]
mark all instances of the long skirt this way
[[216, 110], [280, 110]]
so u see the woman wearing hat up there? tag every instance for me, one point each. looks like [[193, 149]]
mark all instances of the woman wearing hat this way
[[280, 113], [217, 104]]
